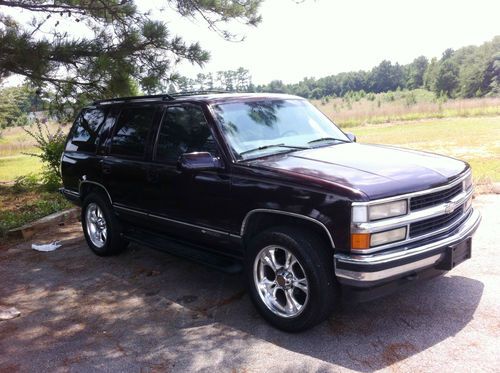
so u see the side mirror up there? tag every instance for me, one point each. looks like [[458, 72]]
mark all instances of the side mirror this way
[[351, 136], [198, 161]]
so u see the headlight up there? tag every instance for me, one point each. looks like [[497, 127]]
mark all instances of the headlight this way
[[362, 214], [377, 239], [468, 182], [387, 210]]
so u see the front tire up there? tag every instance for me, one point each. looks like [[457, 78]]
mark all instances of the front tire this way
[[291, 278], [101, 227]]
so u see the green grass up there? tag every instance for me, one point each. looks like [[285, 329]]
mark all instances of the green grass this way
[[18, 165], [18, 207], [475, 140]]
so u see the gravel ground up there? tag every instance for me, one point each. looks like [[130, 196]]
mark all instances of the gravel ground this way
[[147, 311]]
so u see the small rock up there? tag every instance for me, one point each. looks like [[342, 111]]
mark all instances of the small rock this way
[[8, 313]]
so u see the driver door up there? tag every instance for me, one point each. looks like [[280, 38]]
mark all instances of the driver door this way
[[189, 204]]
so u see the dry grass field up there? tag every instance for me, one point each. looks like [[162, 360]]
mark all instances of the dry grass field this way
[[402, 106], [15, 140], [475, 140]]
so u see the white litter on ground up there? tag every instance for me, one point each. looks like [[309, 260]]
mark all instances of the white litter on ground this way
[[46, 247], [8, 313]]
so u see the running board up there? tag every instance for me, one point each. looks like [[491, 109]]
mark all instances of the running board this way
[[184, 250]]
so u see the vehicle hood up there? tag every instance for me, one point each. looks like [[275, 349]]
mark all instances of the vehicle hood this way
[[375, 170]]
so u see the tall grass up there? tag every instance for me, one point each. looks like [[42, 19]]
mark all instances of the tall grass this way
[[402, 106], [15, 140], [8, 150]]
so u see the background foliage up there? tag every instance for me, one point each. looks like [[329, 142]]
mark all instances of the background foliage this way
[[472, 71]]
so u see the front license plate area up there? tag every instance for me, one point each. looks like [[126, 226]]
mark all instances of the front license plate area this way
[[454, 255]]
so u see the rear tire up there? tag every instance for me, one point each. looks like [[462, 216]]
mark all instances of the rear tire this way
[[291, 278], [101, 227]]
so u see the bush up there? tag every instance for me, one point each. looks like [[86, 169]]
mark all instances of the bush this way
[[25, 183], [410, 99], [389, 97], [51, 181], [51, 147]]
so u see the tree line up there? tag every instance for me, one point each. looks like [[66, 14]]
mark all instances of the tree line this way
[[472, 71]]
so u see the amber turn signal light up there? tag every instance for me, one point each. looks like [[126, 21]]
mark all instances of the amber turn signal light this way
[[360, 241]]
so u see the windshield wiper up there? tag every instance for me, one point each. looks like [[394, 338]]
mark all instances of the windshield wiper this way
[[321, 139], [273, 146]]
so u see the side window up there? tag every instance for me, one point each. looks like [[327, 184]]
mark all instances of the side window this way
[[86, 130], [131, 131], [184, 130]]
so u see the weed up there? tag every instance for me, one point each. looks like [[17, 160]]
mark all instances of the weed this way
[[51, 146]]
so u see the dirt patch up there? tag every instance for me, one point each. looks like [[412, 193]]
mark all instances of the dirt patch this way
[[395, 352], [12, 201]]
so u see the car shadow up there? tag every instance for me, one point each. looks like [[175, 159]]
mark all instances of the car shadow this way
[[374, 335], [149, 309], [364, 337]]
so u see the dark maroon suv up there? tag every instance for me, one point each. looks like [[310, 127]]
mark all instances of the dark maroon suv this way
[[266, 183]]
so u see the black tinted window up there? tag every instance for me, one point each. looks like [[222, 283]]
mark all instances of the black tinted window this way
[[131, 131], [184, 130], [86, 130]]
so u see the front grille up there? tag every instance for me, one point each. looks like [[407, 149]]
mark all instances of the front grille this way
[[436, 198], [436, 223]]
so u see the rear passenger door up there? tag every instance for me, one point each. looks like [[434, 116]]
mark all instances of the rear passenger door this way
[[189, 204], [125, 166]]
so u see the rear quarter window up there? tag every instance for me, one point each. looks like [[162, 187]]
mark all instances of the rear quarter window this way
[[85, 132]]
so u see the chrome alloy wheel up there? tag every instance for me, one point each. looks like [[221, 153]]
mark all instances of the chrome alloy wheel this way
[[280, 281], [96, 225]]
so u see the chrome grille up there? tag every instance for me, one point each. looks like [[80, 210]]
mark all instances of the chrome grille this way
[[429, 214], [433, 224], [436, 198]]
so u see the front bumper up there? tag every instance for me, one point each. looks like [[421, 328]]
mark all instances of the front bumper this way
[[371, 270]]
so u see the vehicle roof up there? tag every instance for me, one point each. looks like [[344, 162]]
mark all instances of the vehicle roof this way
[[226, 97], [207, 98]]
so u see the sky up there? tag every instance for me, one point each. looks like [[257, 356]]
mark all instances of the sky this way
[[325, 37], [316, 38]]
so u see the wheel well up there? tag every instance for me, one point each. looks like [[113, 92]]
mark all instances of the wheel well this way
[[259, 221], [86, 188]]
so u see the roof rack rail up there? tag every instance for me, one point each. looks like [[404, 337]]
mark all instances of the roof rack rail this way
[[163, 96], [197, 92]]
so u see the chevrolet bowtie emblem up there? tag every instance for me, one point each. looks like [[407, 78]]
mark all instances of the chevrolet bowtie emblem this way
[[450, 207]]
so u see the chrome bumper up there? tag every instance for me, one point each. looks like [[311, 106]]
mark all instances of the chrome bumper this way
[[372, 269]]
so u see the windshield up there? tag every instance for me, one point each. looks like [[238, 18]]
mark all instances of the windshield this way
[[258, 128]]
